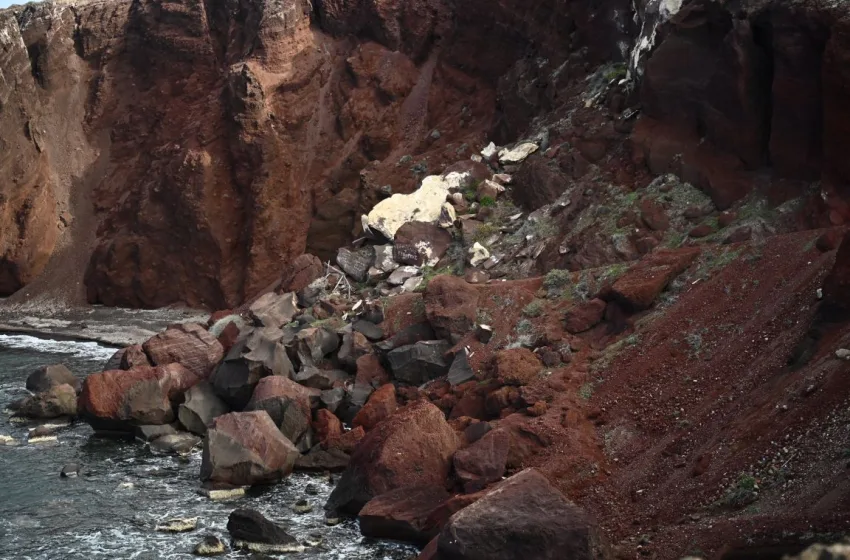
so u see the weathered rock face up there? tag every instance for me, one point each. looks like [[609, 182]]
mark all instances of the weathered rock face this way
[[58, 400], [245, 448], [118, 400], [524, 517], [200, 408], [46, 377], [190, 345], [286, 402], [402, 514], [413, 447], [209, 177]]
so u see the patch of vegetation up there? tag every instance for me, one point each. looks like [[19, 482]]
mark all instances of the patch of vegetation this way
[[586, 391], [742, 493], [694, 341], [533, 309], [331, 323], [429, 273], [485, 232], [487, 201], [524, 326], [419, 307], [674, 239], [556, 282], [616, 72], [612, 351]]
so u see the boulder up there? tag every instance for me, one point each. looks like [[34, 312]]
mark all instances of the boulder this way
[[641, 285], [47, 377], [313, 344], [300, 273], [380, 405], [210, 546], [248, 527], [58, 400], [323, 460], [190, 345], [483, 462], [286, 402], [423, 205], [151, 432], [413, 447], [384, 260], [346, 441], [267, 347], [133, 356], [402, 275], [370, 330], [409, 335], [451, 306], [354, 346], [332, 398], [370, 371], [402, 514], [176, 444], [517, 366], [235, 378], [245, 448], [427, 241], [489, 189], [114, 361], [322, 379], [117, 400], [326, 425], [274, 310], [356, 263], [200, 408], [417, 363], [523, 517], [584, 316], [460, 370]]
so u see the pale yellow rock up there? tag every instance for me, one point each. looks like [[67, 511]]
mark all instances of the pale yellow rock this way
[[518, 153], [423, 205]]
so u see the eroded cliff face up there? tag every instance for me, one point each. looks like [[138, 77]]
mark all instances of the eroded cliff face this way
[[159, 152]]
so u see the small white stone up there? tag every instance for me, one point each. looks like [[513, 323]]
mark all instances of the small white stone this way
[[843, 354], [489, 151], [478, 254], [518, 153], [178, 525]]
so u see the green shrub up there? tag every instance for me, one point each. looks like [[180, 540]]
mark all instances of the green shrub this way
[[533, 309], [487, 201]]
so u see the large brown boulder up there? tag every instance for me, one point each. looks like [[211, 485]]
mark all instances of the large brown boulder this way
[[517, 366], [484, 461], [403, 514], [451, 305], [584, 316], [245, 448], [381, 404], [117, 400], [641, 285], [423, 242], [190, 345], [413, 447], [524, 517], [46, 377], [287, 403], [134, 356]]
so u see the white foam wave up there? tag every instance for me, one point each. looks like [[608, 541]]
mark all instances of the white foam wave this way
[[84, 350]]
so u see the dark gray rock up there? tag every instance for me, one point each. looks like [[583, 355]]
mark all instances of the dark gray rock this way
[[235, 378], [322, 379], [71, 470], [267, 346], [321, 460], [409, 335], [210, 546], [460, 371], [313, 344], [44, 378], [417, 363], [356, 263], [332, 398], [370, 330], [250, 526], [200, 408]]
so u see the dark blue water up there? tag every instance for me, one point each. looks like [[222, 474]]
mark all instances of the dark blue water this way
[[111, 510]]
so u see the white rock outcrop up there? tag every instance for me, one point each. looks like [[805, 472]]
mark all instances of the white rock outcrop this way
[[423, 205]]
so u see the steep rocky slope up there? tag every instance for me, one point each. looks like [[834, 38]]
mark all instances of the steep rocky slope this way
[[185, 151]]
